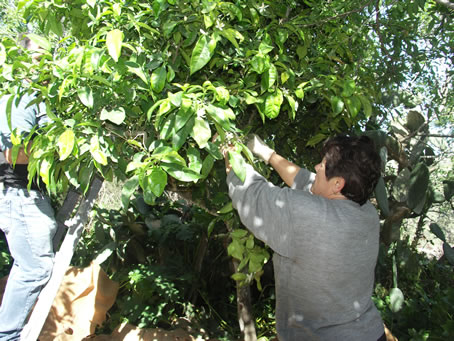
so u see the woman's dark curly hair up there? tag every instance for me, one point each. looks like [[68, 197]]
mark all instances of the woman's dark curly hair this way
[[357, 161]]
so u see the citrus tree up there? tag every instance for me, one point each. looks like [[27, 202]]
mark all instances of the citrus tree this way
[[149, 91]]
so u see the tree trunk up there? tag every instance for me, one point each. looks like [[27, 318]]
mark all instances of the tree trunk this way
[[200, 255], [243, 302], [244, 308]]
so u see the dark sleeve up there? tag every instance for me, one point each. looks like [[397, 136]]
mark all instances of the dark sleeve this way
[[264, 209]]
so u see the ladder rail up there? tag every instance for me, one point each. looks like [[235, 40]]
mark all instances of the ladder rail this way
[[63, 256]]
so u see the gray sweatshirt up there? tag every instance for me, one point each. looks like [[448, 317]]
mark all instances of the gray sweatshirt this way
[[325, 252]]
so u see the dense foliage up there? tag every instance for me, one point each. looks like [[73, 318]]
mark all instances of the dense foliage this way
[[145, 92]]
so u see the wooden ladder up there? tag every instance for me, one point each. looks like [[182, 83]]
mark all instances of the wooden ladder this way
[[73, 226]]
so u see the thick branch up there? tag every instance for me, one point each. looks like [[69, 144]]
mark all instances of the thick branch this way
[[446, 3], [187, 195]]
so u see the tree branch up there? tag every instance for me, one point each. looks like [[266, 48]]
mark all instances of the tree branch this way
[[346, 14], [436, 135], [187, 195], [377, 30], [445, 3]]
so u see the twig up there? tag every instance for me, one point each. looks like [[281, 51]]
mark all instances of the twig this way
[[377, 30], [346, 14], [436, 135]]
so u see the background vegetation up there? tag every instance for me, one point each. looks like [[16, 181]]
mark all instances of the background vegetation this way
[[143, 93]]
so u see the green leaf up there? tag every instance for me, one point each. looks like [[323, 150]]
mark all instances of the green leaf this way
[[202, 53], [226, 208], [65, 144], [208, 21], [285, 77], [116, 116], [164, 108], [299, 92], [436, 230], [114, 41], [221, 115], [301, 51], [16, 138], [232, 35], [168, 27], [269, 77], [128, 189], [265, 46], [239, 276], [316, 139], [84, 178], [170, 73], [168, 128], [250, 242], [2, 54], [239, 233], [366, 106], [158, 79], [396, 299], [42, 42], [168, 155], [273, 104], [156, 181], [259, 63], [96, 151], [182, 117], [236, 249], [231, 9], [137, 70], [281, 38], [238, 164], [337, 105], [179, 138], [353, 105], [207, 165], [201, 132], [44, 169], [293, 106], [222, 95], [55, 26], [175, 99], [349, 88], [255, 263], [213, 149], [180, 172], [211, 226], [86, 96], [195, 161]]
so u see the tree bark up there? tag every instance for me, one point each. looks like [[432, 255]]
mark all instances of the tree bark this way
[[244, 308], [446, 3], [243, 301], [198, 261]]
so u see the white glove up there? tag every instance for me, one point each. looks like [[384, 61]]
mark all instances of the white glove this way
[[260, 148]]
